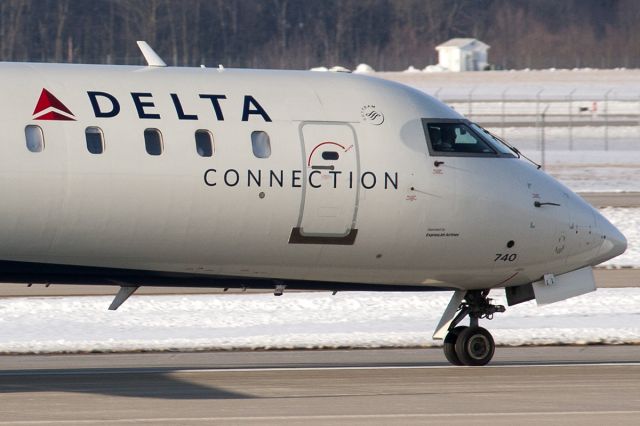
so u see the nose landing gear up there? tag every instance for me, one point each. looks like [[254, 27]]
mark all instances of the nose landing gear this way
[[472, 345], [469, 346]]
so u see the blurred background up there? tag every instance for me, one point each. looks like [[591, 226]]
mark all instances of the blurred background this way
[[389, 35]]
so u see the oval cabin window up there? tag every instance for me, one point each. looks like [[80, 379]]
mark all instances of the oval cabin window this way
[[204, 143], [261, 144], [95, 140], [34, 138], [153, 141]]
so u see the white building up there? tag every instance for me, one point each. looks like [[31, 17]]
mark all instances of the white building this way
[[463, 54]]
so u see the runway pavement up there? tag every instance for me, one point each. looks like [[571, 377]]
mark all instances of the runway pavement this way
[[558, 385], [612, 199], [616, 278]]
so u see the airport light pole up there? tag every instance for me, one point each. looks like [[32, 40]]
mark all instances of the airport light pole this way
[[606, 120], [503, 96], [470, 103], [538, 107], [571, 119], [542, 137]]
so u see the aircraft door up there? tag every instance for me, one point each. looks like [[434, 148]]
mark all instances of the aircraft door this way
[[330, 184]]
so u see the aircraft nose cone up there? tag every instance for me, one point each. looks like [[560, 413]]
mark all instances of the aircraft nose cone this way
[[613, 242]]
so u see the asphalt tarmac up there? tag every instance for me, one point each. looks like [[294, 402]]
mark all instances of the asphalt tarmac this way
[[612, 199], [590, 385]]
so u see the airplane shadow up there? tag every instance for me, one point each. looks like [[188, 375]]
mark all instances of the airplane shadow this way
[[138, 383]]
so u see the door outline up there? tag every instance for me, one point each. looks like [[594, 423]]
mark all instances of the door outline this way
[[296, 236]]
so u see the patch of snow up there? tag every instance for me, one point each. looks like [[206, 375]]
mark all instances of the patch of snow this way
[[584, 165], [364, 69], [412, 69], [339, 68], [319, 69], [526, 84], [298, 320], [627, 220], [597, 177], [586, 157], [435, 68]]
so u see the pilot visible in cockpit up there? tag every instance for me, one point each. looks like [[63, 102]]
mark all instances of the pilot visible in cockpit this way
[[442, 138]]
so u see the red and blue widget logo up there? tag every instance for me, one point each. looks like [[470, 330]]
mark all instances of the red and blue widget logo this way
[[50, 108]]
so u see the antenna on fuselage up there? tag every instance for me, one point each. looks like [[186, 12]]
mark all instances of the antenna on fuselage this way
[[153, 59]]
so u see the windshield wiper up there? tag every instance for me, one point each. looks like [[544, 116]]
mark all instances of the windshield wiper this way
[[511, 147]]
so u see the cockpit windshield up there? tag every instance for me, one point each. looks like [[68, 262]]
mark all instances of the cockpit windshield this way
[[495, 142], [461, 138]]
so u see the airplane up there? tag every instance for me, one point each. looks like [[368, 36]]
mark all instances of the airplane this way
[[237, 178]]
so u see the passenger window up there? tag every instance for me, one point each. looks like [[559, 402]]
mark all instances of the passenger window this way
[[261, 144], [95, 140], [204, 143], [456, 138], [35, 138], [153, 141]]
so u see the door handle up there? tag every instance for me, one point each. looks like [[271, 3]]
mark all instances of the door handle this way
[[539, 204]]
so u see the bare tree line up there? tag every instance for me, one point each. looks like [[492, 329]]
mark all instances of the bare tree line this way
[[387, 34]]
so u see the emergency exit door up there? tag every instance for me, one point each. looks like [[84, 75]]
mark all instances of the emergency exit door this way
[[330, 184]]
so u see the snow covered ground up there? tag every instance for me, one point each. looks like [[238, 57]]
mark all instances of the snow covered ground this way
[[591, 158], [628, 221], [623, 141], [519, 84], [590, 170], [298, 320]]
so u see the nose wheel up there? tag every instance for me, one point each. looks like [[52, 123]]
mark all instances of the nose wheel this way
[[450, 345], [471, 345]]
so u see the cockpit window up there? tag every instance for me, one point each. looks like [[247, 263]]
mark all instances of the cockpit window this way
[[493, 140], [456, 138]]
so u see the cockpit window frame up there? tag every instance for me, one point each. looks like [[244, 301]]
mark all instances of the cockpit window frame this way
[[434, 153]]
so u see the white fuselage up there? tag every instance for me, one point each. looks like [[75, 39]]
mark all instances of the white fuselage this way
[[349, 192]]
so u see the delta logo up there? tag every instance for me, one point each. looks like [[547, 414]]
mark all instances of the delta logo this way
[[105, 105], [50, 108]]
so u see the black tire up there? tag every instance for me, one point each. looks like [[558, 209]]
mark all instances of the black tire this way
[[450, 345], [475, 346]]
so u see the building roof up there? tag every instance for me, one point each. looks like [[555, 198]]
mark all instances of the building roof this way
[[462, 43]]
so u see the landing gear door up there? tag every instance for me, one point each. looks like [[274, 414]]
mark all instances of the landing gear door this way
[[330, 187]]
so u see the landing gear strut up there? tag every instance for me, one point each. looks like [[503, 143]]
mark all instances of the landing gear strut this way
[[472, 345]]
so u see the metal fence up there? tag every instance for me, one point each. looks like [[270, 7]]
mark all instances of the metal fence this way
[[545, 108]]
